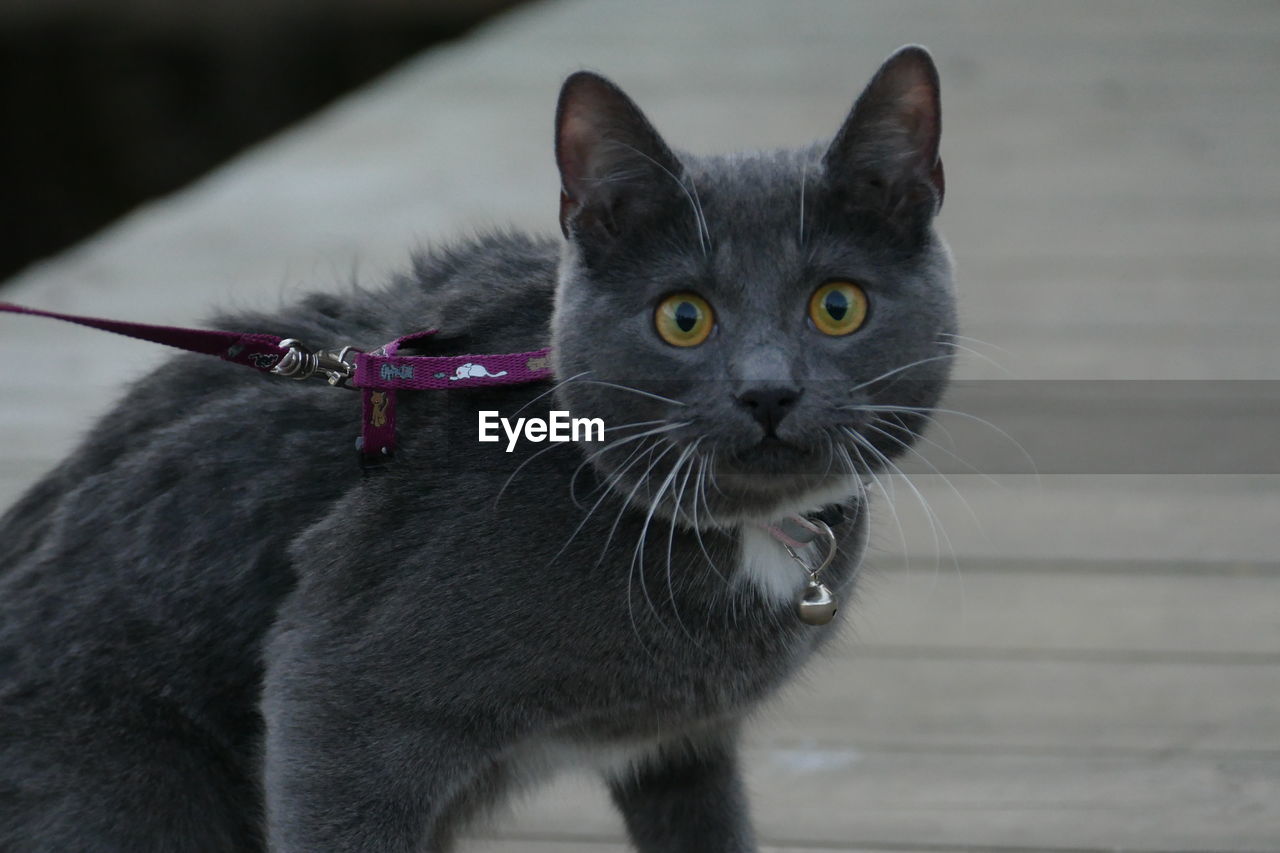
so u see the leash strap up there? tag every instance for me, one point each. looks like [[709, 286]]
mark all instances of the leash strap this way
[[261, 352], [378, 374]]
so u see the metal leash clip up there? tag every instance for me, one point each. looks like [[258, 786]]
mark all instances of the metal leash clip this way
[[300, 362], [817, 604]]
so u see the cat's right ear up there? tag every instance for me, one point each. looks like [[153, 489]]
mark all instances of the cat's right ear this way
[[613, 165]]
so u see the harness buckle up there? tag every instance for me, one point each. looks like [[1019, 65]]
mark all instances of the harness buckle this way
[[300, 362]]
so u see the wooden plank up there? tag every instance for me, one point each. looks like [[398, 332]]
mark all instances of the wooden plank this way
[[526, 844], [1059, 608], [973, 802], [1071, 708], [1119, 352], [1079, 518]]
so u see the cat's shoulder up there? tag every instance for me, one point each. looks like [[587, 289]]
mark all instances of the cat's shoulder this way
[[490, 288], [494, 261]]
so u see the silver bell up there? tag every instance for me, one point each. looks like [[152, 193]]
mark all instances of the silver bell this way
[[817, 605]]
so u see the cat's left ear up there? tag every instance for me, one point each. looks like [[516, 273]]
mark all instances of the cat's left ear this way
[[886, 153]]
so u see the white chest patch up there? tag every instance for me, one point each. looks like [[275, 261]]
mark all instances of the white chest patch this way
[[766, 565]]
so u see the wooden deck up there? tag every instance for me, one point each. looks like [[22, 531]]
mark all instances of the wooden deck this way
[[1084, 661]]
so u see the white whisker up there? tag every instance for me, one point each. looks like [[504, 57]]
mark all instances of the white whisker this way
[[550, 390], [699, 488], [614, 478], [935, 524], [978, 341], [631, 615], [699, 220], [931, 410], [906, 446], [634, 391], [637, 555], [804, 174], [613, 445], [918, 436], [671, 534], [889, 498], [988, 359], [896, 370]]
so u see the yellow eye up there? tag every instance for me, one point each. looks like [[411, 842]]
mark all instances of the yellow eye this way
[[684, 319], [838, 307]]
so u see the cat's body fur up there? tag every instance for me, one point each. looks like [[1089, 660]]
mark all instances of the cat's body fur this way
[[217, 633]]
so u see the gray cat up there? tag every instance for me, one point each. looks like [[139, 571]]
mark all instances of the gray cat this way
[[218, 633]]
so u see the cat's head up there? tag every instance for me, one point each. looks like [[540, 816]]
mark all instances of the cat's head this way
[[758, 331]]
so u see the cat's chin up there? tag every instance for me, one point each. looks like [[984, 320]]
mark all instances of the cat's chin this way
[[763, 498], [773, 479], [733, 498], [764, 483]]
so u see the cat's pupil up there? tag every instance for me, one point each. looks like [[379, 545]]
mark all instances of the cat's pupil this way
[[837, 305], [686, 316]]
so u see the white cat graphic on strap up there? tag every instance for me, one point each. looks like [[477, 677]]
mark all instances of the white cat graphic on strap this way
[[471, 370]]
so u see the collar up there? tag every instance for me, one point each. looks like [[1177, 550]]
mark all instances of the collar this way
[[797, 531], [816, 604]]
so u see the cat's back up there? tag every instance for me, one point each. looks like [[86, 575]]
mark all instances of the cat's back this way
[[139, 578], [162, 540]]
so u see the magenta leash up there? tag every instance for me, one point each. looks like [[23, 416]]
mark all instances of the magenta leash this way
[[378, 374]]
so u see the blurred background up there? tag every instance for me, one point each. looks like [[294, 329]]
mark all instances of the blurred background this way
[[107, 103], [1079, 651]]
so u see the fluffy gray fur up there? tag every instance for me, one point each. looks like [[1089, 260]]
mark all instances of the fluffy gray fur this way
[[217, 633]]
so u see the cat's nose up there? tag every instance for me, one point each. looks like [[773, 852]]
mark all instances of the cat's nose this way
[[769, 404]]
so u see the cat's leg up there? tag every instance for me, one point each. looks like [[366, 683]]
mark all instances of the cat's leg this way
[[687, 798], [469, 805], [364, 783], [340, 778], [77, 779], [358, 759]]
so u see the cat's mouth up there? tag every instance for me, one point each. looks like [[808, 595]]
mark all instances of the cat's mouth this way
[[725, 485], [773, 470], [771, 454]]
